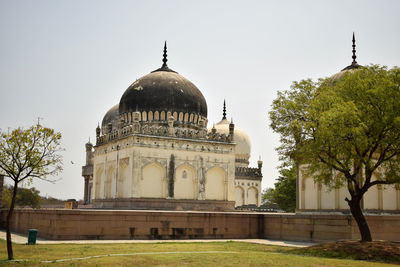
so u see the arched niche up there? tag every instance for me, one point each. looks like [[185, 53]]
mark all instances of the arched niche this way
[[239, 196], [185, 186], [153, 175], [215, 184], [252, 196]]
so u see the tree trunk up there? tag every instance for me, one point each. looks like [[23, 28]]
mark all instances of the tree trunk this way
[[9, 215], [356, 211]]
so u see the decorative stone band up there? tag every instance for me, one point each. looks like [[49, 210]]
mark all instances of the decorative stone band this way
[[248, 173], [163, 130]]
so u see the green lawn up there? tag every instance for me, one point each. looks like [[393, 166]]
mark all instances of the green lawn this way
[[242, 254]]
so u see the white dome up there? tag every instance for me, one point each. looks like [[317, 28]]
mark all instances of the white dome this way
[[240, 137]]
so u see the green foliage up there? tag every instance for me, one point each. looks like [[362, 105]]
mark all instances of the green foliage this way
[[283, 196], [30, 153], [285, 189], [25, 197], [268, 200], [343, 131], [26, 154], [344, 125]]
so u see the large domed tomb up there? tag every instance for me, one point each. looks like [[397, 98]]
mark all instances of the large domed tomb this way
[[153, 150]]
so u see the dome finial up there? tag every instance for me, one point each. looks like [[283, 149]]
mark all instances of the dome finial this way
[[354, 64], [354, 51], [165, 56], [224, 111]]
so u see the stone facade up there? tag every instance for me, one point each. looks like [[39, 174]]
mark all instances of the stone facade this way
[[317, 197]]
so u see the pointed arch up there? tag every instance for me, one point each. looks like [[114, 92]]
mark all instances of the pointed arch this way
[[239, 196], [152, 182], [215, 183], [252, 196], [185, 185]]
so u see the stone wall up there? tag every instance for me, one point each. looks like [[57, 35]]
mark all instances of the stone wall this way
[[130, 224]]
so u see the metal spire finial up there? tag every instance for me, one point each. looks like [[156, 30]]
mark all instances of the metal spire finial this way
[[165, 56], [354, 51], [224, 111]]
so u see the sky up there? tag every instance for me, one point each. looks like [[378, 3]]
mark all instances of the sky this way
[[68, 62]]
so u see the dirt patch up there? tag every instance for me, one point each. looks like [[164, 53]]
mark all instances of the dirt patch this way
[[384, 251]]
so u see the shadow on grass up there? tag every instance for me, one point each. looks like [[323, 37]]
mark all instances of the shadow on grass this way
[[378, 251]]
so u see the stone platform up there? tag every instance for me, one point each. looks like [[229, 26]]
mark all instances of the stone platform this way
[[80, 224], [163, 204]]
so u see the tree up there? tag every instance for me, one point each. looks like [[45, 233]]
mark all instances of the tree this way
[[283, 196], [25, 197], [267, 199], [285, 189], [345, 131], [26, 154]]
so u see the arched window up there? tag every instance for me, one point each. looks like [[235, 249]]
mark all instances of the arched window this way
[[144, 116], [162, 116], [186, 118], [156, 116], [150, 115], [191, 117], [175, 115]]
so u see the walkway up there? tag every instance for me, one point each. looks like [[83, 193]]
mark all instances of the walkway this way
[[22, 239]]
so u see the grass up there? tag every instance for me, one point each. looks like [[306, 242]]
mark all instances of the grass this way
[[383, 251], [243, 254]]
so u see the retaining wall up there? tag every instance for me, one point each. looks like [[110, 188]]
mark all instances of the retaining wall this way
[[63, 224]]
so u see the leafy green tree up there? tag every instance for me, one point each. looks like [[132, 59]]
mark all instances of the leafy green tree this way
[[26, 154], [25, 197], [267, 199], [285, 189], [345, 131]]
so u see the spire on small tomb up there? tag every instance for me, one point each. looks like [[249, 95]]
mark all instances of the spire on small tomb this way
[[224, 111], [354, 64], [354, 51], [165, 56]]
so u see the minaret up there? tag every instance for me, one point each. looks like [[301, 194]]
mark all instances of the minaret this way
[[259, 163], [231, 130]]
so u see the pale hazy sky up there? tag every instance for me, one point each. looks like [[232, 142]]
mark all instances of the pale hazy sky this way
[[68, 62]]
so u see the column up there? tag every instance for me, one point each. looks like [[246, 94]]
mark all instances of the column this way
[[85, 196]]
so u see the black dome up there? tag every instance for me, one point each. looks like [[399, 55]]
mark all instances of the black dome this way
[[163, 90], [110, 117]]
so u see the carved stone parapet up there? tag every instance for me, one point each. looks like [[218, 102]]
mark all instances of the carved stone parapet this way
[[249, 173]]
